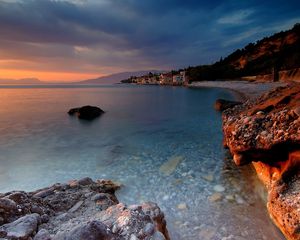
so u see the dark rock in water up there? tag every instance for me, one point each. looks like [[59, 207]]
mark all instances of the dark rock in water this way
[[222, 104], [86, 112]]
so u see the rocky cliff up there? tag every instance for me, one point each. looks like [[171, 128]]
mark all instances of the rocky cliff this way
[[266, 133], [79, 210]]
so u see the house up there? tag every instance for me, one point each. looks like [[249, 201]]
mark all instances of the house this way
[[180, 79], [166, 79]]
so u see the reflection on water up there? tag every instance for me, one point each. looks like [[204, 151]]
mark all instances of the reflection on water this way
[[162, 143]]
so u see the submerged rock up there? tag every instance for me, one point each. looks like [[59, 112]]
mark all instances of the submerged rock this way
[[86, 112], [170, 166]]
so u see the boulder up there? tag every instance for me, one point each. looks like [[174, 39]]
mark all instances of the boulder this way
[[222, 104], [86, 112], [93, 231], [23, 228]]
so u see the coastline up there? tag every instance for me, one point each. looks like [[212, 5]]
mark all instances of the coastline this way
[[244, 89], [264, 132]]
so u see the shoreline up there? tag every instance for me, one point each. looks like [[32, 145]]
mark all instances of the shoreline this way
[[244, 89], [264, 132]]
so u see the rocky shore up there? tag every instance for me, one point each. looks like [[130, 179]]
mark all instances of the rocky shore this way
[[265, 131], [78, 210]]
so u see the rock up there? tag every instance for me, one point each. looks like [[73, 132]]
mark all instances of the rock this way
[[7, 204], [126, 221], [208, 178], [69, 213], [37, 209], [170, 166], [297, 111], [182, 206], [100, 197], [94, 230], [219, 188], [75, 207], [149, 229], [85, 181], [158, 236], [44, 193], [86, 112], [18, 197], [215, 197], [270, 140], [22, 228], [42, 235], [221, 104]]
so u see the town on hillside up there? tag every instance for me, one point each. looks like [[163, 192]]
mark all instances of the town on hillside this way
[[169, 78]]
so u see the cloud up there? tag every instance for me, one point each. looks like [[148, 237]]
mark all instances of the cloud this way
[[106, 36], [237, 18]]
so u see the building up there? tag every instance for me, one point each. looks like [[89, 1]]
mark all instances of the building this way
[[166, 79], [180, 79]]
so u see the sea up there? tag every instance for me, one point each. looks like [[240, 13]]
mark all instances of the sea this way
[[162, 143]]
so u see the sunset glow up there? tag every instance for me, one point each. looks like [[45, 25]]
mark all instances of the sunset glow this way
[[47, 76]]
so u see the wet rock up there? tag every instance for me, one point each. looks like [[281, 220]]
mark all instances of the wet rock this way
[[86, 112], [22, 228]]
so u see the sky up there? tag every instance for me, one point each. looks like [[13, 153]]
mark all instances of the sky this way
[[70, 40]]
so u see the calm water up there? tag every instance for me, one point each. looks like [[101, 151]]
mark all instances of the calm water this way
[[144, 128]]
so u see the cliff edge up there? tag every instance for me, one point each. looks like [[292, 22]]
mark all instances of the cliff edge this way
[[266, 133]]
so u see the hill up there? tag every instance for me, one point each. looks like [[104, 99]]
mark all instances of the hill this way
[[21, 81], [114, 78], [278, 52]]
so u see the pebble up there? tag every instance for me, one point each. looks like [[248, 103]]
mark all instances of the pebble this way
[[215, 197], [182, 206], [239, 200], [166, 197], [208, 178], [230, 197], [219, 188]]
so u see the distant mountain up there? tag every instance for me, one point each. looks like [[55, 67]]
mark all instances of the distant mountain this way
[[278, 52], [115, 78], [21, 81]]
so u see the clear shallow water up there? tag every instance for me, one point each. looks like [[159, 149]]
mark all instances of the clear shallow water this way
[[144, 128]]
